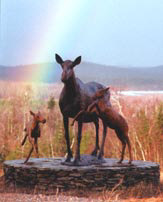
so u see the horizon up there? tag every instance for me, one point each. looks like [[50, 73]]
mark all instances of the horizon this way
[[51, 62], [115, 33]]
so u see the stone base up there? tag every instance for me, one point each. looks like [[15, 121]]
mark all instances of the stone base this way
[[49, 173]]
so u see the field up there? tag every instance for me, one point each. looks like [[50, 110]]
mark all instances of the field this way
[[144, 115]]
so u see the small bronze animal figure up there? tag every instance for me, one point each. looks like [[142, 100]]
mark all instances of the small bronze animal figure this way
[[111, 119], [33, 132], [76, 96]]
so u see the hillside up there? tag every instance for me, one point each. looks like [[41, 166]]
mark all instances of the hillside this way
[[133, 78], [125, 77]]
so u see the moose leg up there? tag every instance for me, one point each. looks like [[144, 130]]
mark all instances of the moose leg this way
[[29, 155], [94, 153], [77, 154], [101, 153], [69, 155]]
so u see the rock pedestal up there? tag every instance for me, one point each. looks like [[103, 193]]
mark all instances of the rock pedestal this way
[[47, 173]]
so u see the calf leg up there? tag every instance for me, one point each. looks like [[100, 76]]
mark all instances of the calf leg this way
[[36, 147], [24, 140], [123, 151], [94, 152], [101, 153], [129, 149], [29, 155], [78, 114], [123, 141]]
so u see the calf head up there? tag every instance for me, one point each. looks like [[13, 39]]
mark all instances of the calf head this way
[[37, 117], [94, 107], [100, 93], [67, 67]]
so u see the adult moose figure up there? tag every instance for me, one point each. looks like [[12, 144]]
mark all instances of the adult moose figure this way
[[76, 96]]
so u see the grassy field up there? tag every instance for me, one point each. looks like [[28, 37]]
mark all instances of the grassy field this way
[[144, 115]]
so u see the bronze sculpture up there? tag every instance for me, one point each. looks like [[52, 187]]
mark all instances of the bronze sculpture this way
[[33, 132], [76, 96]]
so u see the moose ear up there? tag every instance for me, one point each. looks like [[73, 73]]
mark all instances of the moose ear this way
[[106, 89], [58, 59], [103, 91], [32, 113], [77, 61]]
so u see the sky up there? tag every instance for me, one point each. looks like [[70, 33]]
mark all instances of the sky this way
[[111, 32]]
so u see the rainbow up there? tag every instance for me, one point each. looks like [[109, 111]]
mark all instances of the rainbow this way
[[59, 34]]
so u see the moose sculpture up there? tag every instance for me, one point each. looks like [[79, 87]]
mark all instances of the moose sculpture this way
[[33, 132], [76, 96], [111, 119]]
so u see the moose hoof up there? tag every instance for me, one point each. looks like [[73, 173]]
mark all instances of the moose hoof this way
[[100, 157], [94, 153], [25, 162], [119, 162], [68, 159], [76, 162]]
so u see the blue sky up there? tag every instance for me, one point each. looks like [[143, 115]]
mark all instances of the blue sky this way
[[111, 32]]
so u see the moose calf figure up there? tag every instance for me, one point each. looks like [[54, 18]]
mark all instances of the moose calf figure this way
[[111, 119], [33, 132]]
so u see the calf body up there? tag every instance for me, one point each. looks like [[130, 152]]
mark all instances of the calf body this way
[[33, 132], [111, 119]]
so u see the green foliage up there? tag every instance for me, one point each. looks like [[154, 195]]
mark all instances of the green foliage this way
[[143, 126], [159, 120], [14, 154], [51, 103], [2, 158], [37, 104], [3, 103], [86, 141]]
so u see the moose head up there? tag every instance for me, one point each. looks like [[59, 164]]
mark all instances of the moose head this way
[[67, 67]]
